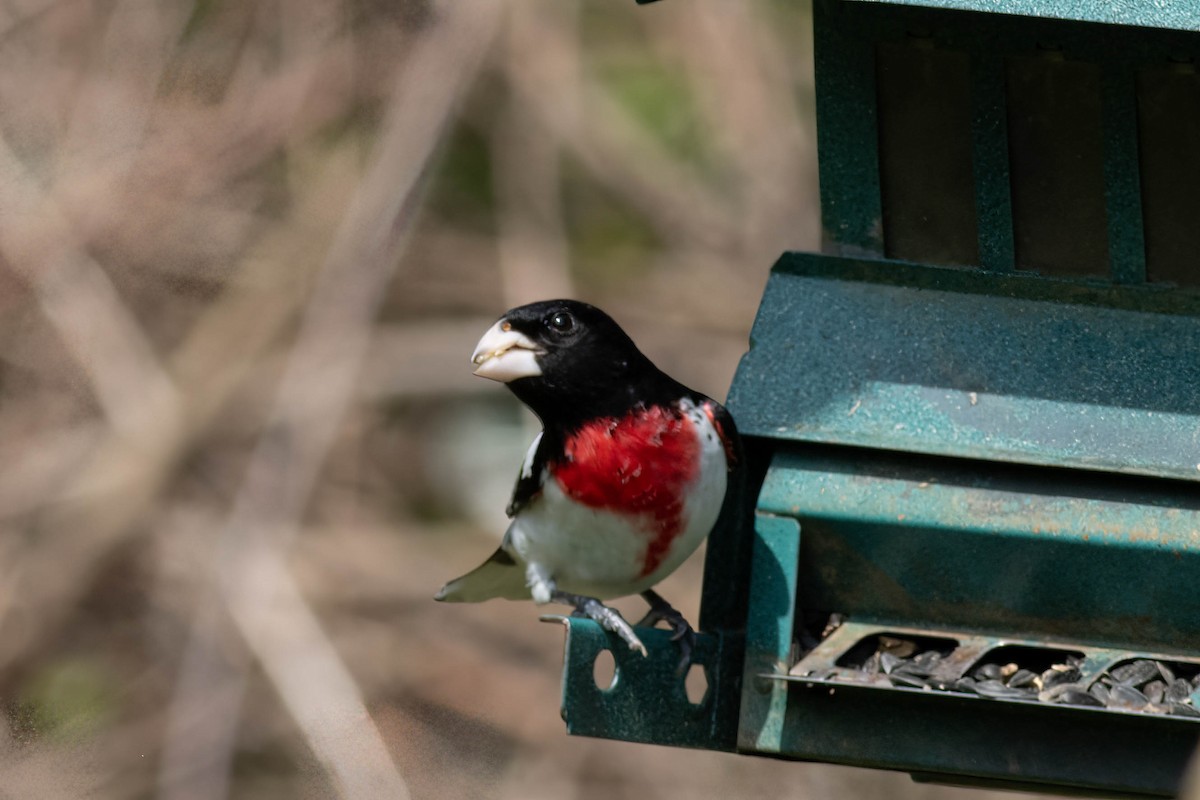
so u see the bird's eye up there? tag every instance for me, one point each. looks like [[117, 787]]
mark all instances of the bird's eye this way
[[562, 322]]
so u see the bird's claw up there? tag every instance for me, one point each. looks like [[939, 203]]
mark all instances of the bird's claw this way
[[607, 618], [611, 620], [681, 631]]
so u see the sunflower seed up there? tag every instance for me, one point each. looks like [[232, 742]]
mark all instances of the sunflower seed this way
[[1077, 697], [988, 672], [900, 679], [927, 660], [1022, 678], [997, 690], [1135, 673], [964, 684], [912, 668], [1055, 676], [1124, 696], [1178, 691], [1156, 690], [1054, 692]]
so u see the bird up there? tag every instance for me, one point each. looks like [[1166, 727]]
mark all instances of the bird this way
[[625, 480]]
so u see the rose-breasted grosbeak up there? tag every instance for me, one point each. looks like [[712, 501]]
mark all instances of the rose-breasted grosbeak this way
[[625, 480]]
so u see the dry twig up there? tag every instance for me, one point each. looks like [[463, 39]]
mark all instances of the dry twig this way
[[260, 593]]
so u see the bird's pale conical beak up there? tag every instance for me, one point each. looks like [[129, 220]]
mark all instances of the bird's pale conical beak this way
[[504, 354]]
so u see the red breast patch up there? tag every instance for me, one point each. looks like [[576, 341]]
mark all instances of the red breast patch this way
[[640, 465]]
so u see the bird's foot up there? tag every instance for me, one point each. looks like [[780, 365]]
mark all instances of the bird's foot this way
[[681, 631], [608, 618]]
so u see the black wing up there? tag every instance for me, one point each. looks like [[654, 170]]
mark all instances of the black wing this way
[[529, 481], [722, 420]]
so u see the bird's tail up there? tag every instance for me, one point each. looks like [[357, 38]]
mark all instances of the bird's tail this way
[[499, 576]]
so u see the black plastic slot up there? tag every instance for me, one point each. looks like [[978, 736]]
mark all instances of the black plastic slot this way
[[1056, 153], [925, 167], [1168, 132]]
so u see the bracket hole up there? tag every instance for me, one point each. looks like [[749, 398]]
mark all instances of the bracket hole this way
[[696, 684], [604, 671]]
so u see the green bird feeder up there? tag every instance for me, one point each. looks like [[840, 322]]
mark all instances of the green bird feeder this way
[[969, 542]]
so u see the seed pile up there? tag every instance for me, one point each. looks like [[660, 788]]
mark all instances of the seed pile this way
[[903, 661], [1058, 684], [1150, 686], [1143, 685]]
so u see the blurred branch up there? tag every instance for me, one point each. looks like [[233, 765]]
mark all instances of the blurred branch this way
[[737, 69], [525, 162], [231, 344], [124, 72], [78, 298], [118, 480], [423, 359], [153, 426], [617, 151], [34, 470], [318, 384], [156, 418], [15, 17]]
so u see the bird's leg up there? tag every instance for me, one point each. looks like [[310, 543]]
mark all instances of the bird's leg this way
[[542, 587], [681, 631], [608, 618]]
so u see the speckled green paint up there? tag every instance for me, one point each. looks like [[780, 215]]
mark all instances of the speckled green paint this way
[[958, 363], [935, 545], [1183, 15], [648, 701], [769, 632], [847, 141]]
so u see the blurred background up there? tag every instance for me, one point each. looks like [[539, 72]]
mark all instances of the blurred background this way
[[246, 249]]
